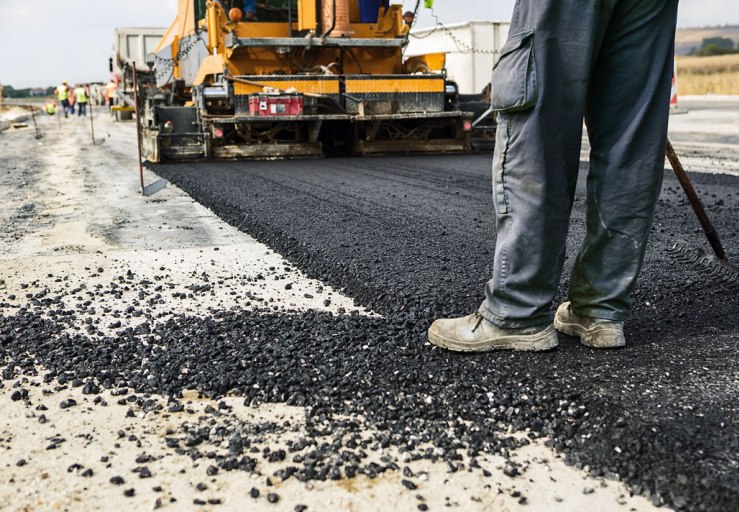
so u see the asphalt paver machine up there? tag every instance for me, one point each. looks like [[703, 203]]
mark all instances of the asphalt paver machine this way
[[295, 78]]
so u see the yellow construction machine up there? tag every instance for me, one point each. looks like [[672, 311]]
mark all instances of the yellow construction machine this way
[[294, 78]]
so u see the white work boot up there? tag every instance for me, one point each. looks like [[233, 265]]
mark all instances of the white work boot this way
[[475, 334], [593, 332]]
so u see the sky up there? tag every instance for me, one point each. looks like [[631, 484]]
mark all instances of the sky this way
[[46, 41]]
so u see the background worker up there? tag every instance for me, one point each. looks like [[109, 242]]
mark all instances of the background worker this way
[[97, 93], [80, 93], [62, 94], [247, 7], [250, 10], [50, 107], [71, 99], [111, 89], [609, 62]]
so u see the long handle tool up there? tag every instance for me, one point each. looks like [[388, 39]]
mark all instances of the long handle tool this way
[[35, 126], [717, 266], [95, 142], [161, 183]]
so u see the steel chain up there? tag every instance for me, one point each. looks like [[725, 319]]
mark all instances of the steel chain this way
[[461, 45], [164, 66], [181, 54]]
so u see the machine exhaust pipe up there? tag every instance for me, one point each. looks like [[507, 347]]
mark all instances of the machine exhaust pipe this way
[[335, 18]]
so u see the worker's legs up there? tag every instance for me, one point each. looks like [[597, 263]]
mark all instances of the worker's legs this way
[[627, 114], [540, 85], [83, 109]]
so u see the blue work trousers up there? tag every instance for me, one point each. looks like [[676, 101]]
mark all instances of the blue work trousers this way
[[609, 62]]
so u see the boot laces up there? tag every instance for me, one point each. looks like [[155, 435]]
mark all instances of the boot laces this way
[[478, 320]]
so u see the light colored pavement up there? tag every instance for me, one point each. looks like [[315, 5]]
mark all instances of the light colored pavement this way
[[704, 132]]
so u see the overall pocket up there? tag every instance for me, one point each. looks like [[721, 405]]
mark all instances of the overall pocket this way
[[514, 86]]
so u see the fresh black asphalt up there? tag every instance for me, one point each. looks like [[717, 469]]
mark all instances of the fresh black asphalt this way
[[412, 239]]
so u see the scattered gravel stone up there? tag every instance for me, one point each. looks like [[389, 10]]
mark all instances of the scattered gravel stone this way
[[69, 402], [510, 470]]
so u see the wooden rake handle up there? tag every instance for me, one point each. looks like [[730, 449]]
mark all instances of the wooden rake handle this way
[[695, 202]]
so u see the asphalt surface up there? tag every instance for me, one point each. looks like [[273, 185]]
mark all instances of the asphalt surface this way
[[412, 239]]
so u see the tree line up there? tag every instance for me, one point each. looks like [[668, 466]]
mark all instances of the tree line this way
[[715, 46], [11, 92]]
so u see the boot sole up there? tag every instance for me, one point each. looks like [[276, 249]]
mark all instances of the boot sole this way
[[545, 340], [588, 337]]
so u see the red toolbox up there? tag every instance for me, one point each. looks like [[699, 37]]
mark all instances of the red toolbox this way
[[276, 104]]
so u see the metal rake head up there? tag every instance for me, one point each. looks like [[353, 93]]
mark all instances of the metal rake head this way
[[719, 269]]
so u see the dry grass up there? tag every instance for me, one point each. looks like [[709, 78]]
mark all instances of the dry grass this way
[[708, 75]]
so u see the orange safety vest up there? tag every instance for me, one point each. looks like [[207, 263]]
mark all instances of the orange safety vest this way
[[110, 90]]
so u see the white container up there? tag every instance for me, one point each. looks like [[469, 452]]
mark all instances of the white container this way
[[133, 44], [471, 50]]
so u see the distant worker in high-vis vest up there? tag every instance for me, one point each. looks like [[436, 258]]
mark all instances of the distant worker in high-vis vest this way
[[62, 94], [80, 92]]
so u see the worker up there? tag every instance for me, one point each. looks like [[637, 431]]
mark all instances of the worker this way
[[110, 93], [247, 7], [250, 10], [80, 93], [71, 99], [62, 94], [99, 95], [609, 62], [50, 107]]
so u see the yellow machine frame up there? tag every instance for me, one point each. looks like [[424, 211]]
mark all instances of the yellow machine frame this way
[[389, 105]]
